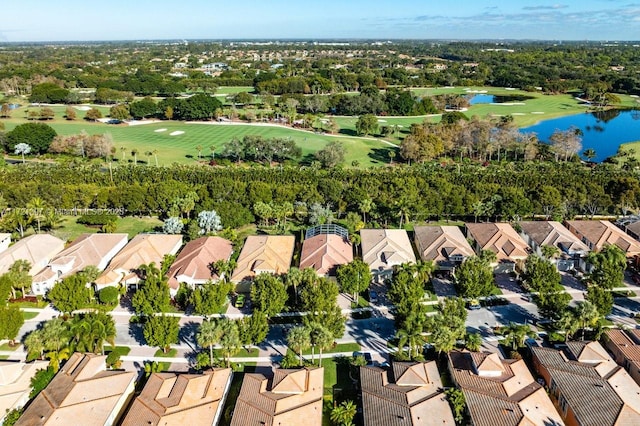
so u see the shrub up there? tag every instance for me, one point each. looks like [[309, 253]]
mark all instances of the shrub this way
[[96, 219], [108, 295]]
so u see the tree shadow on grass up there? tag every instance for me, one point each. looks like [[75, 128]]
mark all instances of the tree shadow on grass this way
[[348, 132], [381, 155]]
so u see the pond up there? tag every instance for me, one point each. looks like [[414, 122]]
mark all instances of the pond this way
[[603, 131], [497, 99]]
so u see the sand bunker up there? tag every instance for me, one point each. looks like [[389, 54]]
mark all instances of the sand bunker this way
[[517, 113], [176, 133], [537, 112], [160, 130], [508, 103], [82, 108], [382, 121]]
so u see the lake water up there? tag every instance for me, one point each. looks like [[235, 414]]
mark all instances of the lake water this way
[[603, 131], [496, 99]]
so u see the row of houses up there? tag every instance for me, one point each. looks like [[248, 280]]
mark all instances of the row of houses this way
[[85, 392], [324, 248]]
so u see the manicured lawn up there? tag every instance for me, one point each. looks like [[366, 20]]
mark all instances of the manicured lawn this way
[[160, 354], [342, 347], [29, 315], [69, 230], [7, 347], [182, 148], [242, 353], [41, 304], [122, 350]]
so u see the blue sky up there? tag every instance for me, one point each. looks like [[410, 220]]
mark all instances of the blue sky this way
[[51, 20]]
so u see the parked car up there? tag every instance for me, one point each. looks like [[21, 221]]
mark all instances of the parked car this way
[[239, 301], [474, 304], [373, 296]]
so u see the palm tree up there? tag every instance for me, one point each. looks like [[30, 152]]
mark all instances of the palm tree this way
[[365, 207], [134, 153], [587, 314], [410, 337], [344, 413], [37, 206], [199, 149], [209, 335], [294, 279], [424, 269], [35, 343], [212, 148], [55, 334], [148, 155], [516, 334], [589, 154], [473, 342], [229, 339], [299, 338], [123, 150], [155, 155], [320, 337], [443, 339], [567, 323], [56, 358], [392, 155]]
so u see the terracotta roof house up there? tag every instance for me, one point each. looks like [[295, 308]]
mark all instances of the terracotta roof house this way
[[598, 233], [382, 249], [15, 384], [87, 250], [554, 234], [143, 249], [83, 392], [262, 253], [36, 249], [326, 247], [409, 394], [501, 239], [193, 264], [446, 246], [292, 397], [5, 240], [625, 347], [501, 392], [588, 387], [631, 226], [184, 399]]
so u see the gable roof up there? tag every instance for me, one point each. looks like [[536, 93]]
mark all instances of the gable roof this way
[[264, 253], [598, 392], [82, 392], [37, 249], [552, 233], [143, 249], [601, 233], [292, 397], [195, 259], [439, 243], [409, 394], [384, 248], [501, 392], [499, 238], [86, 250], [185, 399], [325, 252]]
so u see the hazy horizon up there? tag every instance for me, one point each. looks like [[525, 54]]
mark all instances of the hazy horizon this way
[[76, 21]]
